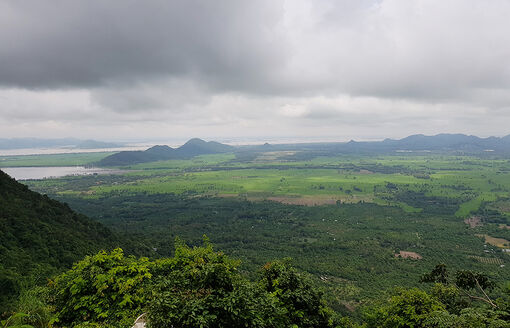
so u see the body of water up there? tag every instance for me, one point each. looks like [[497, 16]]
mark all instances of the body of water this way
[[36, 173]]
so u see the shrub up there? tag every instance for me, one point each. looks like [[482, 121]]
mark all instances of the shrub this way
[[107, 288]]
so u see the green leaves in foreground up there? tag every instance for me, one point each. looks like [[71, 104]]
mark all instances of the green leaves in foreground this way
[[202, 288], [14, 321], [106, 287], [198, 287], [409, 308]]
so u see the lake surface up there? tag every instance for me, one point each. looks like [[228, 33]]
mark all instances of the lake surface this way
[[29, 173]]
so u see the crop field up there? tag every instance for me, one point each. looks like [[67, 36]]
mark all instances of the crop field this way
[[487, 260], [463, 183], [498, 242]]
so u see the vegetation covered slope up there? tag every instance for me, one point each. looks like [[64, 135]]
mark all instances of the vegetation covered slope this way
[[40, 236], [193, 147]]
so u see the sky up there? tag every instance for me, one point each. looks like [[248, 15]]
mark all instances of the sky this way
[[330, 69]]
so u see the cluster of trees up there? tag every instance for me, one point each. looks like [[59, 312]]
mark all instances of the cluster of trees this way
[[201, 287], [452, 302]]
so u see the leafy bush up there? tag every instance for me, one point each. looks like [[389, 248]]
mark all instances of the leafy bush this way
[[105, 288], [303, 303], [198, 287], [409, 308], [202, 288]]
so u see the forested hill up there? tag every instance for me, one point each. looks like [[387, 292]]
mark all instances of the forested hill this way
[[40, 237], [193, 147]]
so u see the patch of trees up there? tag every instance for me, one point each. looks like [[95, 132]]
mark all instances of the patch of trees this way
[[197, 287]]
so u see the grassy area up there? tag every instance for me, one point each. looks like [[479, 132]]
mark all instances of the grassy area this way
[[197, 161], [52, 160]]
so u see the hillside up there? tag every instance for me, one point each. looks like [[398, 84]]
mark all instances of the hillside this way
[[40, 237], [194, 147], [197, 146]]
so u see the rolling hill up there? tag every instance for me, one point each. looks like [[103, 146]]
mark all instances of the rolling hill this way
[[191, 148]]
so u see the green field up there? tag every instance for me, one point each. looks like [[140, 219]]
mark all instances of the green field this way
[[463, 182], [52, 159], [359, 212]]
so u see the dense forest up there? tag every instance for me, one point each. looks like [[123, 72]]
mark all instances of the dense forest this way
[[40, 237]]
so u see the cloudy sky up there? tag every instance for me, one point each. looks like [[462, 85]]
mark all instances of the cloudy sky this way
[[341, 69]]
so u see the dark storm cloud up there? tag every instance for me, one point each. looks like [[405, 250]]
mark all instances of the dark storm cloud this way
[[427, 50], [62, 44]]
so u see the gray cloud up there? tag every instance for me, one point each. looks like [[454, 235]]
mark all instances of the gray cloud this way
[[283, 67], [73, 43]]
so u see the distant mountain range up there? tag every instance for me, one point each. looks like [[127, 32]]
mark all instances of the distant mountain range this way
[[458, 143], [451, 143], [193, 147], [23, 143]]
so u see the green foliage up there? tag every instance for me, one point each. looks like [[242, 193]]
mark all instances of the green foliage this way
[[296, 294], [40, 237], [467, 279], [450, 296], [202, 288], [439, 274], [15, 321], [409, 308], [351, 245], [105, 288], [197, 287], [468, 318], [32, 302]]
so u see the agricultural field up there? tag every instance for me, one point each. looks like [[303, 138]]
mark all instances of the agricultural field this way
[[410, 182], [344, 219]]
